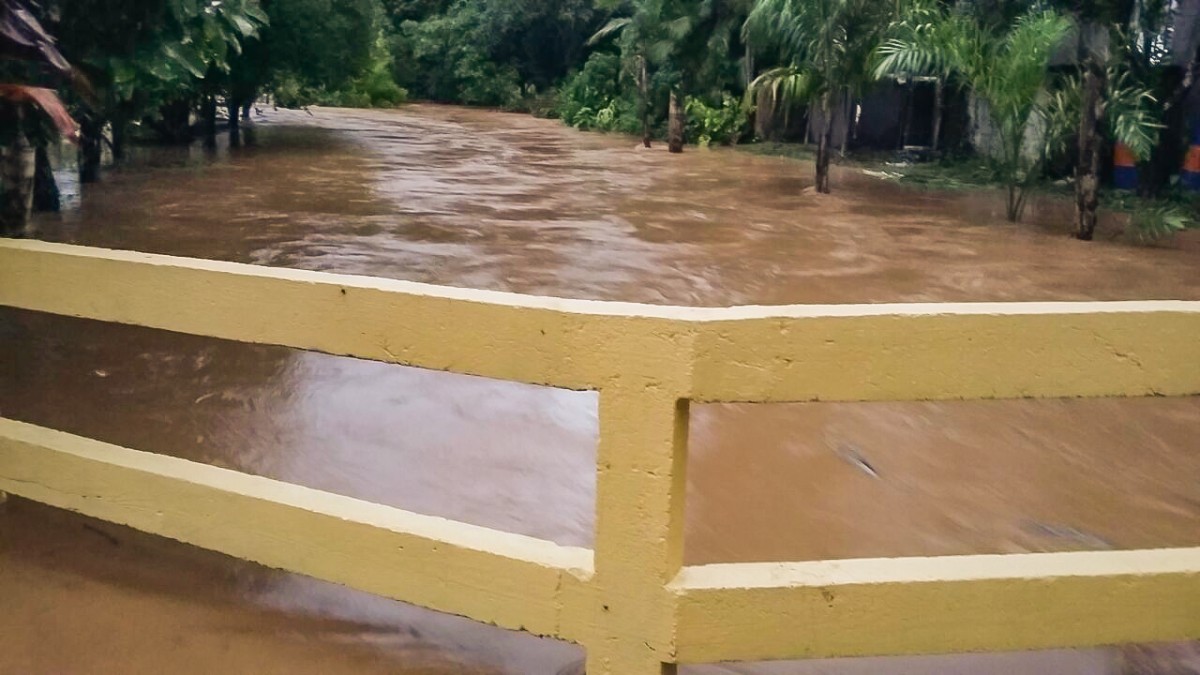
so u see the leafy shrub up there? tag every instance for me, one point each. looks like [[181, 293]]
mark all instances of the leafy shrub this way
[[482, 82], [597, 83], [374, 87], [541, 104], [724, 124], [380, 90], [1152, 222], [443, 59], [289, 92], [592, 98]]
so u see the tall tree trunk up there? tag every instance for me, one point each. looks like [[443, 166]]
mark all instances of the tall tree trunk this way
[[45, 189], [939, 105], [210, 122], [91, 139], [176, 123], [235, 129], [764, 116], [824, 143], [1012, 209], [644, 94], [677, 124], [1011, 146], [1087, 168], [17, 180]]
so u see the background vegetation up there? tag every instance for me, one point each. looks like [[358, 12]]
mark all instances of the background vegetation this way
[[1057, 83]]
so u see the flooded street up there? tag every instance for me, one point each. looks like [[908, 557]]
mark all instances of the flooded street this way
[[506, 202]]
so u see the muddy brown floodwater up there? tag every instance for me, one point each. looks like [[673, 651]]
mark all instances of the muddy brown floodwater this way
[[497, 201]]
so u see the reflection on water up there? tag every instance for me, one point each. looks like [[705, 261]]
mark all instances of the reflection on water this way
[[506, 202]]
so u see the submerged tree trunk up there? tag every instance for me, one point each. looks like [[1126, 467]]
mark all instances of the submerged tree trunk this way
[[16, 176], [644, 94], [1087, 167], [210, 122], [824, 144], [120, 132], [677, 125], [175, 125], [91, 139], [235, 129], [45, 189]]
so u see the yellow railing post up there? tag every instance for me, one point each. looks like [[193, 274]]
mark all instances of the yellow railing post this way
[[639, 529]]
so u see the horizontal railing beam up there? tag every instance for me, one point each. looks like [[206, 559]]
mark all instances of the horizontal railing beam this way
[[571, 344], [900, 352], [884, 607], [505, 579], [950, 352]]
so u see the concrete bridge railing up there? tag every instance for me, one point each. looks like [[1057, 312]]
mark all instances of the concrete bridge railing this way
[[631, 602]]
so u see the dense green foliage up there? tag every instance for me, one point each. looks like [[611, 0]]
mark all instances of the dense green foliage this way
[[594, 98], [826, 47], [486, 52], [142, 54], [723, 123], [737, 66], [327, 51]]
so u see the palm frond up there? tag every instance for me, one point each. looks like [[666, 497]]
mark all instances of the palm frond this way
[[898, 57], [1133, 114], [678, 28], [612, 27], [787, 86]]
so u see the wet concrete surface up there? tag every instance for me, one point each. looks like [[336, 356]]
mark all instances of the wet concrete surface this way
[[490, 200]]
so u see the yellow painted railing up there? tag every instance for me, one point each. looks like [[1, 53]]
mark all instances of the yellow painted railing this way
[[630, 602]]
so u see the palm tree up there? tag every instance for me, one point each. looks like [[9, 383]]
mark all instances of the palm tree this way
[[1007, 69], [826, 46], [649, 38], [1109, 94]]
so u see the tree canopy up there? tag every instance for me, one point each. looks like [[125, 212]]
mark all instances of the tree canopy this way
[[1076, 75]]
